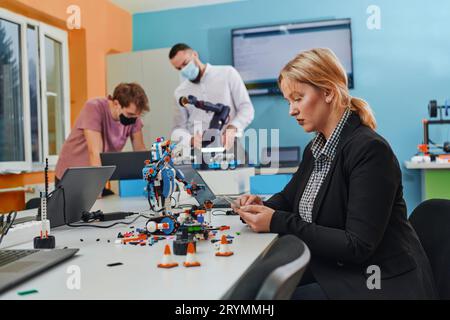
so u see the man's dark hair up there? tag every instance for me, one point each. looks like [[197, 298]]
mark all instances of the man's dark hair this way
[[127, 93], [177, 48]]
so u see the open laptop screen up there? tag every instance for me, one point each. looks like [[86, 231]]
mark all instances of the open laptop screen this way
[[191, 175], [129, 164]]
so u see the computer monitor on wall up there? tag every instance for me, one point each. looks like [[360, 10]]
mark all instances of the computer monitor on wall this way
[[259, 53]]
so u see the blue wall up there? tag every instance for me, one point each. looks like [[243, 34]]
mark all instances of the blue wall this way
[[398, 69]]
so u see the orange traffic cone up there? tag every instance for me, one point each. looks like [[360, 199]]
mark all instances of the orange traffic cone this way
[[167, 259], [191, 260], [224, 251]]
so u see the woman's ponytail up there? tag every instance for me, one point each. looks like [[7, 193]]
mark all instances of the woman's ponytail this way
[[362, 108]]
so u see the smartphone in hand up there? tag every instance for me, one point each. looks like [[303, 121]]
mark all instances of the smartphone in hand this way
[[233, 203]]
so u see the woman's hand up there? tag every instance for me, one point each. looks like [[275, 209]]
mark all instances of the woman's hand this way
[[257, 217], [249, 199]]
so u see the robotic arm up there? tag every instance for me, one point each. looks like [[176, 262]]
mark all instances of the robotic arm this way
[[220, 118], [161, 177]]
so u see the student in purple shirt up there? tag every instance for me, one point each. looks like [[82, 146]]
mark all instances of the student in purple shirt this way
[[104, 125]]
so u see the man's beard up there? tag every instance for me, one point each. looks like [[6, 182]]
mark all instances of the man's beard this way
[[197, 80]]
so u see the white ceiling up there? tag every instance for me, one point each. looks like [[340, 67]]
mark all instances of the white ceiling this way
[[136, 6]]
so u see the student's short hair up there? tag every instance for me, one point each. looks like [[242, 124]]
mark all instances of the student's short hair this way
[[128, 93], [177, 48]]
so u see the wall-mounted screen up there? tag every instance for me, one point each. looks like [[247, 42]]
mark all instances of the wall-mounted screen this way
[[259, 53]]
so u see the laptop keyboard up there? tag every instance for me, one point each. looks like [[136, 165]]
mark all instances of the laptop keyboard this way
[[9, 256]]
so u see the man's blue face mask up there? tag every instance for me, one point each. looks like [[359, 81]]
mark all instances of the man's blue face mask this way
[[190, 71]]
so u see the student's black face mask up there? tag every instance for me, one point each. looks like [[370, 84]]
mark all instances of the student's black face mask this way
[[127, 121]]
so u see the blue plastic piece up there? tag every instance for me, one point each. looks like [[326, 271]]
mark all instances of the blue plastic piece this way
[[168, 176], [132, 188], [268, 184], [214, 166]]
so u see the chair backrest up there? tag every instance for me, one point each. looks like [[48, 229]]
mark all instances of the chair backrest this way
[[431, 221], [33, 203], [276, 275]]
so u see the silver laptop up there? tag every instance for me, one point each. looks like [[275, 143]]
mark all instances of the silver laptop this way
[[77, 192], [16, 266]]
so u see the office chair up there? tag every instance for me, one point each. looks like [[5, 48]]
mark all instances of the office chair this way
[[276, 275], [431, 220], [33, 203]]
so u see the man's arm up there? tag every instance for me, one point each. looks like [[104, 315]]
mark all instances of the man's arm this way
[[95, 146], [180, 125], [137, 139], [244, 107]]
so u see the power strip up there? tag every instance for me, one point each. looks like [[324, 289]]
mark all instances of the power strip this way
[[21, 233]]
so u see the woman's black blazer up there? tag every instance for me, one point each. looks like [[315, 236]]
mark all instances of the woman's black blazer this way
[[359, 220]]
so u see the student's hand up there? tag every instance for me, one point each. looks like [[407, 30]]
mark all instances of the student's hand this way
[[257, 217], [228, 137], [249, 199], [196, 141]]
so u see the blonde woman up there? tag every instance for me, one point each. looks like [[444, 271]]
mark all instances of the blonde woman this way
[[346, 199]]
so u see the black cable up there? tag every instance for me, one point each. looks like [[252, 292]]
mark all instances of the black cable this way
[[91, 225], [108, 226], [176, 202], [51, 193], [152, 208], [149, 199], [9, 223], [436, 145], [46, 178]]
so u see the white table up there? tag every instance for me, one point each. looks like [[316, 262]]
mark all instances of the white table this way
[[424, 165], [138, 277]]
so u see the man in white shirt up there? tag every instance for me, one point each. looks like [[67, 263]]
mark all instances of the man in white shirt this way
[[214, 84]]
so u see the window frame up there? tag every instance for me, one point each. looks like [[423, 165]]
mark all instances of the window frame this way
[[36, 25], [61, 36], [27, 163]]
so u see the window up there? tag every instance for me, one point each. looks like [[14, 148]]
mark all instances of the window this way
[[55, 91], [14, 133], [34, 88], [34, 92]]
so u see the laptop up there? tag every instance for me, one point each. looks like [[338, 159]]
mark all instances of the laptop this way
[[190, 174], [17, 266], [287, 157], [76, 193], [129, 164]]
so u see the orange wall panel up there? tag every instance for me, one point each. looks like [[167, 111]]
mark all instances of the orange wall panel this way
[[16, 200]]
